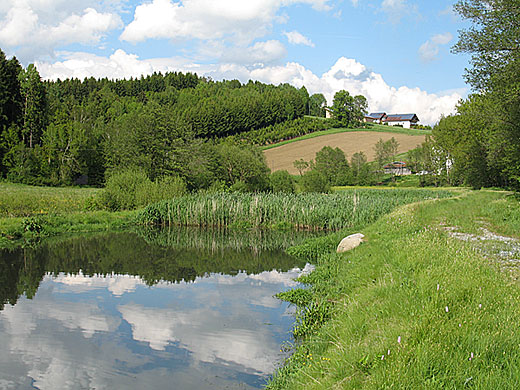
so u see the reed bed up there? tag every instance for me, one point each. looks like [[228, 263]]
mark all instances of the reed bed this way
[[345, 209]]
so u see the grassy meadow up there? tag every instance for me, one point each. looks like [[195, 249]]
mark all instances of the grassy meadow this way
[[20, 200], [29, 213], [414, 307]]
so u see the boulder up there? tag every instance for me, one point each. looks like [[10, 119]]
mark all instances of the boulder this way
[[350, 242]]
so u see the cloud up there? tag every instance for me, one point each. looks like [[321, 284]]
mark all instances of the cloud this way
[[430, 49], [28, 27], [118, 65], [295, 38], [236, 20], [345, 74], [396, 9], [260, 53]]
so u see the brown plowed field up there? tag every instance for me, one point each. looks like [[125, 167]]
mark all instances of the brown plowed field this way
[[283, 156]]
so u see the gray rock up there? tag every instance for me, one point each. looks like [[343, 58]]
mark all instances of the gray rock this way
[[350, 242]]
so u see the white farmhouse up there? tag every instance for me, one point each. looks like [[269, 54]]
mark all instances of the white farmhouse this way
[[404, 120]]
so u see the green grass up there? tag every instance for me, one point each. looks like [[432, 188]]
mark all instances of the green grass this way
[[371, 127], [412, 308], [20, 200], [30, 213]]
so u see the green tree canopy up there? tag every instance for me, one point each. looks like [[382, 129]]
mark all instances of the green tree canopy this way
[[483, 139], [493, 40], [385, 151], [348, 110], [317, 103], [34, 100], [314, 181], [333, 164]]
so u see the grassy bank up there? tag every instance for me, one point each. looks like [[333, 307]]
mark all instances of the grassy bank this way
[[18, 231], [20, 200], [415, 307], [342, 210], [30, 213]]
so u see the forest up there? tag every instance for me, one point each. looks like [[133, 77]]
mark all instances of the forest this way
[[74, 131]]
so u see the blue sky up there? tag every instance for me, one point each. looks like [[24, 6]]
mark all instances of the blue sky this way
[[395, 52]]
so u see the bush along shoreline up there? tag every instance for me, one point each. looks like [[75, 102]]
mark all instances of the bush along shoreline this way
[[415, 306]]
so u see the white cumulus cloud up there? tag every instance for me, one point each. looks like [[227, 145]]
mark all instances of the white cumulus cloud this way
[[430, 49], [37, 27], [295, 38], [240, 21]]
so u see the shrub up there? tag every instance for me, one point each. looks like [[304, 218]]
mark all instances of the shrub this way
[[239, 186], [131, 189], [164, 188], [281, 181], [314, 181], [333, 164]]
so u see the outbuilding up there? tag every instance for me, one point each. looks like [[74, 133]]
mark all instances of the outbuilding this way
[[397, 168]]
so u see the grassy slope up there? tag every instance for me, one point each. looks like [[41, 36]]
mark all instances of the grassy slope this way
[[414, 308], [374, 127]]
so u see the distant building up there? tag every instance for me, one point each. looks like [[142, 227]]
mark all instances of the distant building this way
[[397, 168], [404, 120], [374, 117], [328, 112]]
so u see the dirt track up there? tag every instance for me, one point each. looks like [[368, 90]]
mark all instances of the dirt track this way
[[283, 156]]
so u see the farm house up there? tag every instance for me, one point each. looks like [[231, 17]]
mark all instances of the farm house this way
[[404, 120]]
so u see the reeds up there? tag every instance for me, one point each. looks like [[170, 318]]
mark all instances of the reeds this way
[[313, 211]]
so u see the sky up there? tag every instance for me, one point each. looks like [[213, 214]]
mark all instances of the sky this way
[[394, 52]]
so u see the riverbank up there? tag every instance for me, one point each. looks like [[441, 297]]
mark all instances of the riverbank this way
[[416, 305]]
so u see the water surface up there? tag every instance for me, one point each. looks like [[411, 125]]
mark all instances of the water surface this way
[[179, 310]]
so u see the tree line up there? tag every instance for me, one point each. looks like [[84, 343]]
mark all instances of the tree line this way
[[479, 145]]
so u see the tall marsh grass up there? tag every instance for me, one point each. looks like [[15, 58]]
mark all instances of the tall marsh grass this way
[[347, 209]]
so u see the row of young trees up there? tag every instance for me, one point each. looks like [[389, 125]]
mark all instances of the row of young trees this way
[[57, 132], [480, 144]]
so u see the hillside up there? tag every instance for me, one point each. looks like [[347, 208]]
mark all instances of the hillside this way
[[282, 157]]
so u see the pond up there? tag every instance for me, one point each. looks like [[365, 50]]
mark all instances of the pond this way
[[179, 309]]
